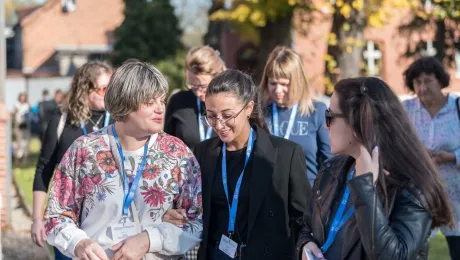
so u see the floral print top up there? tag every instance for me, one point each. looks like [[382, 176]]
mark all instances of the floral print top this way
[[86, 197], [442, 132]]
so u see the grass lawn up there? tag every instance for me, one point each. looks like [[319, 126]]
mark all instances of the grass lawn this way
[[25, 178]]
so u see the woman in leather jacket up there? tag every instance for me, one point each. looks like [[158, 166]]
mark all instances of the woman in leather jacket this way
[[360, 210]]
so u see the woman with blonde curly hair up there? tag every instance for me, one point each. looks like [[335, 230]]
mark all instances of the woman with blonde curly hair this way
[[82, 112]]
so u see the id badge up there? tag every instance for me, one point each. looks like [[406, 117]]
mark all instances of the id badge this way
[[123, 229], [228, 246]]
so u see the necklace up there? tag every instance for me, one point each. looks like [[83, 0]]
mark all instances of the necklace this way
[[96, 125]]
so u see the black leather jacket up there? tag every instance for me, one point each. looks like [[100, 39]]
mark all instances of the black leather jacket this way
[[370, 233]]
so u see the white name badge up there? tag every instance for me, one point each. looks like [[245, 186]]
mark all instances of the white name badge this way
[[228, 246], [123, 229]]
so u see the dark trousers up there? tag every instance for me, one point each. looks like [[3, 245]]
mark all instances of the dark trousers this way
[[60, 256], [215, 254], [454, 246]]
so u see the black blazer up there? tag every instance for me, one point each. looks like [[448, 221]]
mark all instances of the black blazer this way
[[279, 191], [181, 118]]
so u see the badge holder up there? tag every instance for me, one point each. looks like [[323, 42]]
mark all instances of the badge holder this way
[[123, 229]]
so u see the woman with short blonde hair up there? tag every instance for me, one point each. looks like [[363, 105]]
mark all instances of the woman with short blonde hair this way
[[290, 110], [185, 108], [113, 186]]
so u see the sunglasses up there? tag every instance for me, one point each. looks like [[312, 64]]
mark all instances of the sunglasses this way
[[330, 115], [100, 90]]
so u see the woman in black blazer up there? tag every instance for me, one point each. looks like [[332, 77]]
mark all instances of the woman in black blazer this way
[[185, 108], [271, 171]]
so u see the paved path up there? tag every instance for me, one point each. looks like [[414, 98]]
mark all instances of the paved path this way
[[16, 243]]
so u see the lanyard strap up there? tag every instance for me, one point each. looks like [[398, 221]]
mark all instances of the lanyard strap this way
[[340, 218], [276, 125], [106, 123], [129, 191], [234, 207], [200, 124]]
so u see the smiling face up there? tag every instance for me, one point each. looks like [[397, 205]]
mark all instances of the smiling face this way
[[228, 116], [148, 118]]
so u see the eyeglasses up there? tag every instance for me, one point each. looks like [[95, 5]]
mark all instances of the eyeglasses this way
[[224, 120], [330, 115], [101, 90], [196, 87]]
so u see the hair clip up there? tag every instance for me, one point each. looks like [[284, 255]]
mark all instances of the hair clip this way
[[363, 89], [217, 52]]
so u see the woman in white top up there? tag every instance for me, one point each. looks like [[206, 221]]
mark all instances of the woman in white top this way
[[21, 129], [113, 186]]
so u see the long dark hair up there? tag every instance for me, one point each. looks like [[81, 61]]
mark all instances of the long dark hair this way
[[379, 119], [242, 86]]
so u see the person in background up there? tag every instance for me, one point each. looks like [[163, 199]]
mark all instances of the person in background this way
[[83, 112], [381, 195], [58, 96], [113, 186], [290, 111], [22, 128], [46, 110], [254, 184], [436, 117], [184, 109]]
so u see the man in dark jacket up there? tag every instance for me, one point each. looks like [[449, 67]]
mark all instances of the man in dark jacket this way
[[46, 108]]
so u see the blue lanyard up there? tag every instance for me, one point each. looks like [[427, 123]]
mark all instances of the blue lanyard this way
[[106, 123], [236, 193], [276, 125], [340, 219], [129, 192], [200, 124]]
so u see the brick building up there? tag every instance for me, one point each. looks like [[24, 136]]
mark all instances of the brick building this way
[[383, 54], [61, 35]]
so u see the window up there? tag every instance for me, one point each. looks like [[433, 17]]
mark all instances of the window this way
[[373, 57]]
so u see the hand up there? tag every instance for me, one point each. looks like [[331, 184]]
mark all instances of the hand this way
[[366, 162], [314, 249], [38, 233], [87, 249], [133, 248], [443, 157], [176, 217]]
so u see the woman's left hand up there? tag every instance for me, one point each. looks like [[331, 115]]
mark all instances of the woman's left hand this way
[[133, 248], [443, 157], [368, 163]]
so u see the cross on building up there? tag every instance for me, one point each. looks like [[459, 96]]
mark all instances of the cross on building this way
[[371, 54], [430, 49]]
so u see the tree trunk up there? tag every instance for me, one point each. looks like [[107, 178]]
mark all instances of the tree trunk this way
[[348, 61], [440, 41], [274, 33]]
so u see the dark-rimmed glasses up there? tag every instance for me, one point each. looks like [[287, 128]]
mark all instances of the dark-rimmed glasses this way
[[197, 87], [330, 115], [224, 120]]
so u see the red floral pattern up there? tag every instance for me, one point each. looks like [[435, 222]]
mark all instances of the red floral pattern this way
[[88, 177], [151, 172], [172, 146], [106, 161], [154, 196]]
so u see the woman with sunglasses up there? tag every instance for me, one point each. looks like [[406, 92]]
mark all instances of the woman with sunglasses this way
[[360, 210], [290, 111], [184, 109], [83, 112], [254, 183]]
